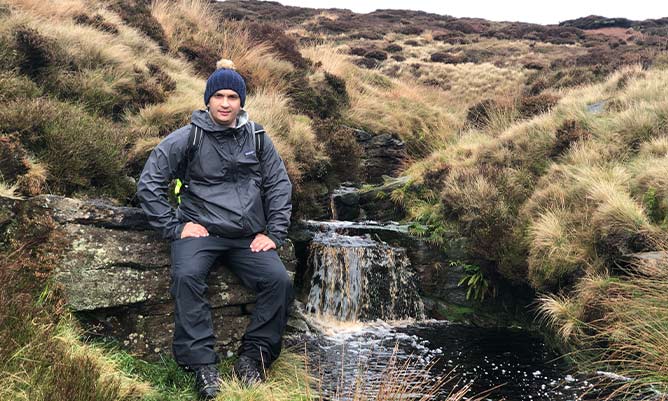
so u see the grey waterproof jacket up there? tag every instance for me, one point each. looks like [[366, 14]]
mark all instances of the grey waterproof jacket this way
[[226, 183]]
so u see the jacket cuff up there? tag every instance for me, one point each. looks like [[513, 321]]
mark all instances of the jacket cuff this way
[[178, 230], [276, 240]]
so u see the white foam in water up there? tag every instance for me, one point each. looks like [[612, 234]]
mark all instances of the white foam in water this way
[[614, 376], [351, 346]]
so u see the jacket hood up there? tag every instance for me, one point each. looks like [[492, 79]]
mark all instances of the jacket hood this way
[[202, 119]]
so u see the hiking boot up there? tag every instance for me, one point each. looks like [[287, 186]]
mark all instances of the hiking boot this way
[[207, 381], [247, 370]]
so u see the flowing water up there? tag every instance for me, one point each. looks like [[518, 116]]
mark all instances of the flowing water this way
[[359, 283], [357, 278], [515, 364]]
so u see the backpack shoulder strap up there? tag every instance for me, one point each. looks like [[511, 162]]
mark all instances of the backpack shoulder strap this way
[[258, 139], [194, 142]]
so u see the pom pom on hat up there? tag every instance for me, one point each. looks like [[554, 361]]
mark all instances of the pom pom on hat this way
[[225, 63], [225, 77]]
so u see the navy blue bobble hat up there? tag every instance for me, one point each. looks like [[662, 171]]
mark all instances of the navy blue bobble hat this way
[[225, 77]]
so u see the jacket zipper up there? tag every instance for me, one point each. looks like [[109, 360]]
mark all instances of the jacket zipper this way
[[244, 220]]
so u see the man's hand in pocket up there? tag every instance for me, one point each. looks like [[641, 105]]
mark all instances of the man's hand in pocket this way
[[194, 230]]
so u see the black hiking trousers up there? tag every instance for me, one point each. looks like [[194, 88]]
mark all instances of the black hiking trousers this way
[[262, 272]]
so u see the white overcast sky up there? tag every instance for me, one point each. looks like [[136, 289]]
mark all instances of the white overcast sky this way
[[536, 11]]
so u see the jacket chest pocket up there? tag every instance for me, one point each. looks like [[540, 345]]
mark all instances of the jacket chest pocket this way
[[248, 164]]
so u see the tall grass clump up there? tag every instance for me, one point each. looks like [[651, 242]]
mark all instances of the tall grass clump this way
[[84, 153], [555, 253], [625, 332], [601, 204]]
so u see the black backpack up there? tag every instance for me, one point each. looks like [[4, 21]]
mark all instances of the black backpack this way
[[194, 142]]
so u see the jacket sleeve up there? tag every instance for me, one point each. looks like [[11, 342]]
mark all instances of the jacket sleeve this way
[[159, 170], [278, 193]]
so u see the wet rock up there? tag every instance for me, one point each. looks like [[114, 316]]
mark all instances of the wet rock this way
[[346, 203], [384, 154], [300, 323], [376, 203], [355, 203]]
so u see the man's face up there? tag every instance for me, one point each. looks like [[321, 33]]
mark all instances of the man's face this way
[[224, 106]]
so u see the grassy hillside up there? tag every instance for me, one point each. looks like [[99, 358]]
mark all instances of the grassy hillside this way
[[546, 147]]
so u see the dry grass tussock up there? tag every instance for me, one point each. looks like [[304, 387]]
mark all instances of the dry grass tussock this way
[[193, 27], [628, 332], [9, 191], [292, 135], [380, 104], [33, 182], [563, 314], [594, 209], [555, 251]]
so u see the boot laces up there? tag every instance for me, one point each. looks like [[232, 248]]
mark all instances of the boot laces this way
[[208, 375]]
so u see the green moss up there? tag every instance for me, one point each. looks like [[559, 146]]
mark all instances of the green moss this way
[[455, 313], [657, 208]]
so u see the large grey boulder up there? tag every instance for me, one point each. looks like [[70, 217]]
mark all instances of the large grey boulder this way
[[115, 275]]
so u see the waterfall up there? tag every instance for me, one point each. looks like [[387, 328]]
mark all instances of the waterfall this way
[[357, 278]]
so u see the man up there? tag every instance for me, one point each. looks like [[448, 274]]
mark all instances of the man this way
[[236, 205]]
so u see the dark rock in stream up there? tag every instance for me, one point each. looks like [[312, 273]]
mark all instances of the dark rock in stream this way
[[355, 203], [384, 154]]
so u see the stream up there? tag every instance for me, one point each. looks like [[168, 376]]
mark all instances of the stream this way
[[373, 335], [514, 363]]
